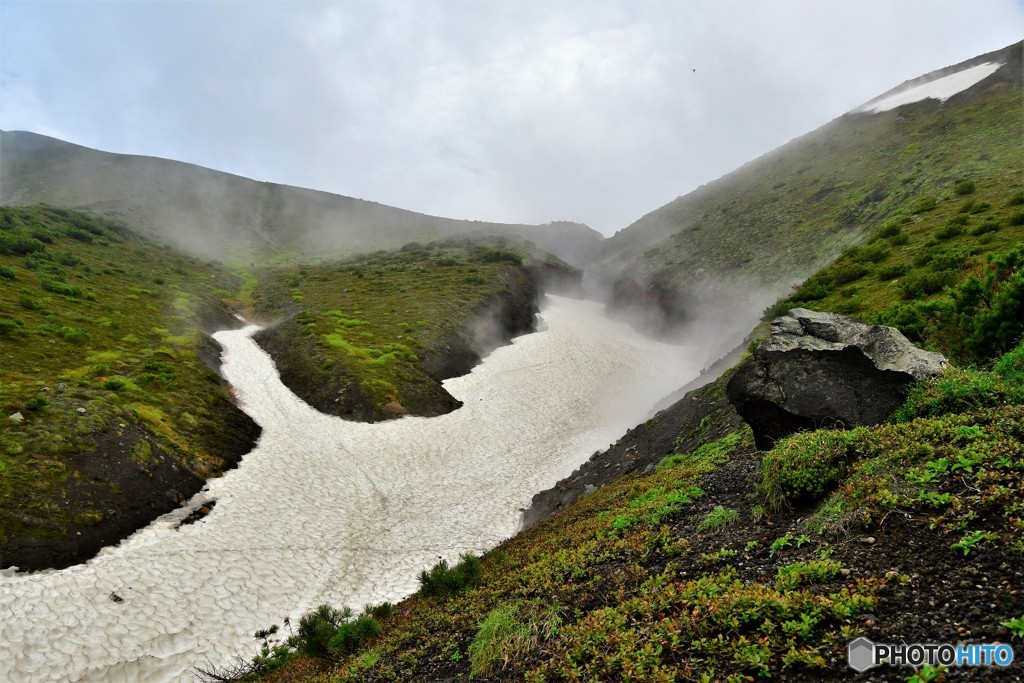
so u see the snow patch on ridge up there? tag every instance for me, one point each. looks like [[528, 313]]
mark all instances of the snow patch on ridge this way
[[939, 89]]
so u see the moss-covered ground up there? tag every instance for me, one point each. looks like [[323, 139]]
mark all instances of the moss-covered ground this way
[[100, 339], [381, 329]]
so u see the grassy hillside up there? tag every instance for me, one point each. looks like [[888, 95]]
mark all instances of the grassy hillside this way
[[372, 336], [112, 410], [110, 415], [782, 217], [729, 564], [900, 275], [219, 215]]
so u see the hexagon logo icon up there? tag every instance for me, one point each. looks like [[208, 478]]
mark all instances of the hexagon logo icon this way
[[861, 654]]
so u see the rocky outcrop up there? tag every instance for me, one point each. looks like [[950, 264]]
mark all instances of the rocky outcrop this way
[[826, 370], [505, 315]]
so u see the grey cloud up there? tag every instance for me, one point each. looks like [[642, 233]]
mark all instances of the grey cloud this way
[[512, 111]]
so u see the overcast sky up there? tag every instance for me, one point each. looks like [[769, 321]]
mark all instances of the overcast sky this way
[[514, 111]]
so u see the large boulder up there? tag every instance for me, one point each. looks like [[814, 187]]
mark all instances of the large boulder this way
[[826, 370]]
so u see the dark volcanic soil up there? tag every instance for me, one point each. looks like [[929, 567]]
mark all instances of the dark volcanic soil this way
[[931, 593], [944, 596], [113, 493]]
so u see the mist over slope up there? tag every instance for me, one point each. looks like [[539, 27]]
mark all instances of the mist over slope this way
[[744, 239], [719, 254], [216, 215]]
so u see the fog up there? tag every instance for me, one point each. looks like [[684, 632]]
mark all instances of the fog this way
[[504, 111]]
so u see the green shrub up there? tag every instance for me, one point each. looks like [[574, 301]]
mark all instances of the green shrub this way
[[892, 272], [1016, 218], [116, 383], [923, 257], [984, 317], [974, 206], [75, 335], [445, 580], [19, 244], [352, 633], [1011, 366], [900, 239], [1016, 199], [719, 517], [381, 611], [920, 285], [66, 258], [849, 273], [851, 305], [8, 326], [319, 628], [950, 258], [889, 229], [8, 273], [952, 228], [44, 235], [907, 318], [58, 287], [873, 253], [805, 466], [925, 204], [30, 303], [36, 403], [957, 391], [780, 307], [965, 186], [156, 372], [80, 235], [501, 255], [814, 288], [989, 225]]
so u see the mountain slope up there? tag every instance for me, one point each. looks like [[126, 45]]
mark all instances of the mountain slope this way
[[697, 568], [219, 215], [785, 215], [112, 414]]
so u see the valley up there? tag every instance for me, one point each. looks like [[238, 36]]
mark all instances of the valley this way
[[233, 410]]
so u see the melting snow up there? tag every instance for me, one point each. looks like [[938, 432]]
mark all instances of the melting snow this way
[[940, 89], [325, 510]]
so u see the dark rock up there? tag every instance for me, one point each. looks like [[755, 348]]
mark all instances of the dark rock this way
[[826, 370]]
